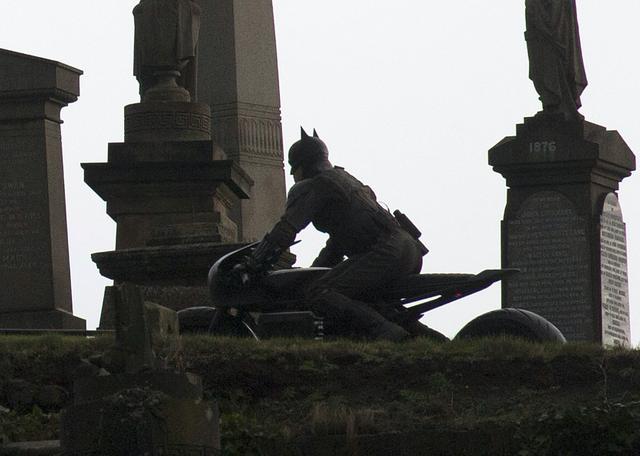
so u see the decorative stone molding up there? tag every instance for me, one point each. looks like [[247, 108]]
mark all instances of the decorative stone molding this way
[[154, 122], [249, 137]]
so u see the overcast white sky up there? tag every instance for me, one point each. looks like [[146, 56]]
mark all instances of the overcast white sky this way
[[409, 96]]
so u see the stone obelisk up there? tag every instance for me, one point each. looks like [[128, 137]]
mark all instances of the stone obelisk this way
[[563, 225], [238, 78]]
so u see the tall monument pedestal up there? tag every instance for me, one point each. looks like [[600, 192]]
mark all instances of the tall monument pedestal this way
[[563, 226], [170, 189], [35, 285]]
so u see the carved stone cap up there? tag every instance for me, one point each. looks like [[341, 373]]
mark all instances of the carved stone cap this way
[[27, 76], [551, 152], [547, 141]]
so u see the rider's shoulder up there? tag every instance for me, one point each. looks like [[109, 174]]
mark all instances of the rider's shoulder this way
[[337, 177], [318, 184], [300, 189], [336, 173]]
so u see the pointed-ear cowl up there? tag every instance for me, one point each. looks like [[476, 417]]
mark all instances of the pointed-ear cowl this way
[[303, 134], [315, 134]]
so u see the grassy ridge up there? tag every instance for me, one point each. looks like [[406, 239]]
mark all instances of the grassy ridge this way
[[545, 396]]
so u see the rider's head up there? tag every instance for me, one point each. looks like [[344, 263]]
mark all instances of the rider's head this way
[[308, 156]]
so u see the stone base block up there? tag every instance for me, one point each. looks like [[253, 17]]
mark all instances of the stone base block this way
[[157, 413], [120, 426], [180, 265], [45, 319]]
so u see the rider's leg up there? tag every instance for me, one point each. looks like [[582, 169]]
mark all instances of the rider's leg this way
[[335, 294], [353, 316]]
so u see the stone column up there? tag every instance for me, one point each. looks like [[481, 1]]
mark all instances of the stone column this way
[[563, 226], [35, 285], [238, 78]]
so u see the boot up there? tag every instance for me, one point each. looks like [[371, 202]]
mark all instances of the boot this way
[[387, 330]]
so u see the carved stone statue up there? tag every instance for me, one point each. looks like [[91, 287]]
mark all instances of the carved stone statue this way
[[555, 56], [165, 49]]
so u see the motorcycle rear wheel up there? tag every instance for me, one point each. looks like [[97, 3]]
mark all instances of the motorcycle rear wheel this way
[[512, 322]]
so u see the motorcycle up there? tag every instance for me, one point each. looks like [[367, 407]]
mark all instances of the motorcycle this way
[[269, 302]]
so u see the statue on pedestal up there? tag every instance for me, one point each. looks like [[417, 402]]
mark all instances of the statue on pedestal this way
[[165, 49], [555, 56]]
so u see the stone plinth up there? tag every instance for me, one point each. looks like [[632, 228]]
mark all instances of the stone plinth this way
[[179, 265], [171, 191], [163, 198], [35, 285], [563, 226], [238, 78], [171, 202]]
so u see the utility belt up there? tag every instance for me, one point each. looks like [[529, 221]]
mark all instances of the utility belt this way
[[386, 226], [410, 228]]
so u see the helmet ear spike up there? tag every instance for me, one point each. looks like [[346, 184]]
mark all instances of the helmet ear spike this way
[[303, 134], [315, 134]]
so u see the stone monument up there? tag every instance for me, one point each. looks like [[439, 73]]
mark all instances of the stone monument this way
[[168, 186], [35, 286], [238, 78], [563, 225], [201, 168]]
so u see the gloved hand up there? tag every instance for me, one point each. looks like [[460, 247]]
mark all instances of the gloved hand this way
[[242, 274]]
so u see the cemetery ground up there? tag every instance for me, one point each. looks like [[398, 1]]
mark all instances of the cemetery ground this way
[[293, 396]]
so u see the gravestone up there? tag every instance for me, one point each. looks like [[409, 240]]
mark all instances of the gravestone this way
[[238, 78], [35, 286], [563, 226]]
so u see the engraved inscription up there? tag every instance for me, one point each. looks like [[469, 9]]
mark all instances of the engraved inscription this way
[[547, 241], [24, 242], [616, 329], [542, 146]]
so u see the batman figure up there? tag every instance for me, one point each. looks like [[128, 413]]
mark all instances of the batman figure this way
[[378, 250]]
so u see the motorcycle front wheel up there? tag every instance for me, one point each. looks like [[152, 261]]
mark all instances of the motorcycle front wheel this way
[[210, 320]]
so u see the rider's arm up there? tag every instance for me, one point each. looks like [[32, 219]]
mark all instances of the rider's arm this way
[[329, 256], [303, 201]]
